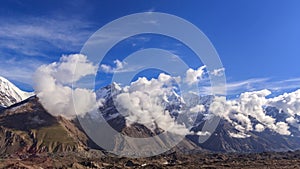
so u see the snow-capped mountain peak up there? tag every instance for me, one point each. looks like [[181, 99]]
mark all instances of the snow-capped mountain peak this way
[[108, 91], [10, 94]]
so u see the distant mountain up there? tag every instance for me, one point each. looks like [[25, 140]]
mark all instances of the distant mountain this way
[[10, 94], [223, 138], [118, 122], [222, 141]]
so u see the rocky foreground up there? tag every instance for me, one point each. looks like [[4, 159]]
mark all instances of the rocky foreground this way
[[172, 160]]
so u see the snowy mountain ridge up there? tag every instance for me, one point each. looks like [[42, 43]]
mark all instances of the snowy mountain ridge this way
[[10, 94]]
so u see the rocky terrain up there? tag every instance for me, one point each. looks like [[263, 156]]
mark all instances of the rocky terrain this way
[[172, 160]]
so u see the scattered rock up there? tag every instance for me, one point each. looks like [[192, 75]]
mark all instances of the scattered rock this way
[[129, 163]]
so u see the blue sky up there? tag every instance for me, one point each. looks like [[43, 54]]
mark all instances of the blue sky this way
[[257, 41]]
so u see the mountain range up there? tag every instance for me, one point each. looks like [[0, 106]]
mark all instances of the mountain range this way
[[27, 127]]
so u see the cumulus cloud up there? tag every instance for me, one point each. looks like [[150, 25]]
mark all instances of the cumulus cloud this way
[[220, 107], [259, 127], [288, 102], [193, 76], [249, 105], [293, 122], [282, 128], [144, 102], [118, 67], [53, 81]]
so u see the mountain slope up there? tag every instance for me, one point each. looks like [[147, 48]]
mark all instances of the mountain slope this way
[[27, 127], [10, 94], [222, 141]]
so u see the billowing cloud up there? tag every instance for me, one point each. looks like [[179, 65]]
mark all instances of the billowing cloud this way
[[259, 127], [249, 105], [144, 102], [293, 122], [288, 102], [53, 81], [282, 128], [193, 76]]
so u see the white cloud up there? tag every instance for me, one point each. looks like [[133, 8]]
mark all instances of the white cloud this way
[[143, 102], [118, 67], [255, 84], [238, 135], [244, 120], [248, 105], [34, 36], [52, 86], [193, 76], [218, 72], [259, 128], [197, 109], [282, 128], [233, 88], [203, 133], [220, 107], [288, 102], [293, 122], [19, 70], [64, 70]]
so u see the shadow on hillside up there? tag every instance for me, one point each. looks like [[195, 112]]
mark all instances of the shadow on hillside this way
[[26, 115]]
